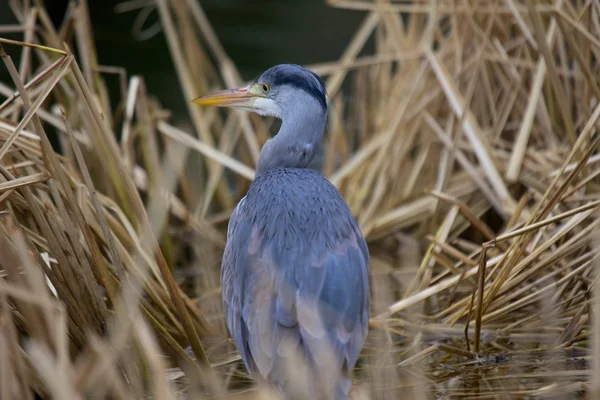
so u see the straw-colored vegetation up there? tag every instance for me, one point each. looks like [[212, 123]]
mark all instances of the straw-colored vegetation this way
[[468, 154]]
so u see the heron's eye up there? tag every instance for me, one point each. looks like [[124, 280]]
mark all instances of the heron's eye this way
[[265, 88]]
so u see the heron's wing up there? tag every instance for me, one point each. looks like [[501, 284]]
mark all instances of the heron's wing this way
[[248, 294], [283, 294], [333, 300], [234, 269]]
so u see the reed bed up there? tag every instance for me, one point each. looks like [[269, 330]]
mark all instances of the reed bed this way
[[467, 152]]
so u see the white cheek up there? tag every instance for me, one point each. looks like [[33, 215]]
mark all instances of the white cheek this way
[[267, 107]]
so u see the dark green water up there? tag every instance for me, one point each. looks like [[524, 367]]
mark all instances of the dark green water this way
[[256, 35]]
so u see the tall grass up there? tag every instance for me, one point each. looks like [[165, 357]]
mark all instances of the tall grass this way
[[468, 154]]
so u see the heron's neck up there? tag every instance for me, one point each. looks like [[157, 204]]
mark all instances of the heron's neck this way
[[296, 143]]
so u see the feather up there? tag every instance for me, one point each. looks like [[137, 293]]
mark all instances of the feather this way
[[294, 285]]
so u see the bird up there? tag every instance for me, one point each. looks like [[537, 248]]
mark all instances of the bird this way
[[295, 268]]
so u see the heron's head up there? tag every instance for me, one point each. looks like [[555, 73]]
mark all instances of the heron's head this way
[[276, 92]]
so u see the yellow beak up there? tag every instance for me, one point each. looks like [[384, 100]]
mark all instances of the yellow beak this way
[[236, 98]]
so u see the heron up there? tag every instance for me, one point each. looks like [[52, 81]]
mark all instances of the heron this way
[[295, 269]]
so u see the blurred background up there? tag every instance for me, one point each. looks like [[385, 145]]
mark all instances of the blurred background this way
[[255, 34]]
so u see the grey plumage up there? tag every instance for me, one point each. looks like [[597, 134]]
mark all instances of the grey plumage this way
[[295, 271]]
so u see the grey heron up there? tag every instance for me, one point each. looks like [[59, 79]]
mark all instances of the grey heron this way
[[295, 270]]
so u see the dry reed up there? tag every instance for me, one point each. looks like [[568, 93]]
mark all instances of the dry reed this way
[[468, 154]]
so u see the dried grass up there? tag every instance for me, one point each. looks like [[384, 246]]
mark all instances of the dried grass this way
[[468, 154]]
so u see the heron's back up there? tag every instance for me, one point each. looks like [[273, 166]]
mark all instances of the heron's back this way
[[303, 202], [295, 279]]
